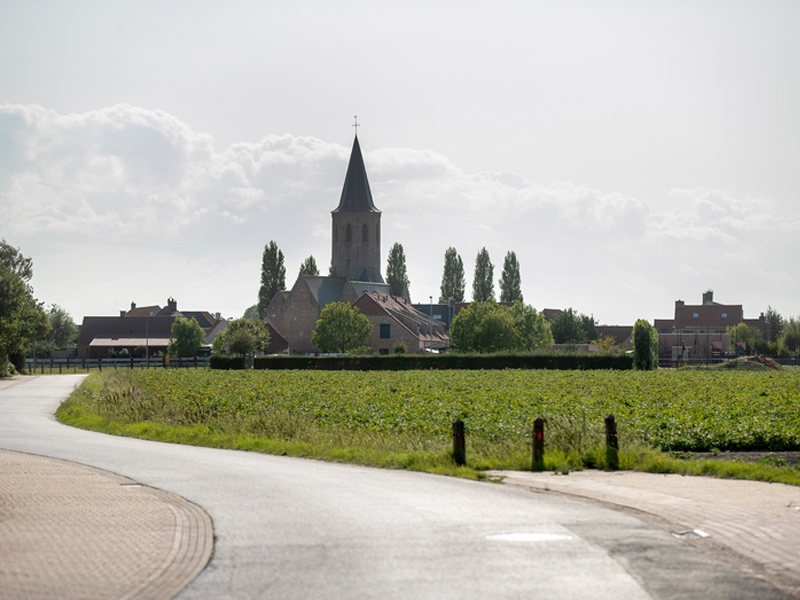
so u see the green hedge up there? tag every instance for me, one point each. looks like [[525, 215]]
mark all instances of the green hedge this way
[[404, 362], [226, 363]]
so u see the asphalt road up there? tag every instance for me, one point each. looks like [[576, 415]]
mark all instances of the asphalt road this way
[[292, 528]]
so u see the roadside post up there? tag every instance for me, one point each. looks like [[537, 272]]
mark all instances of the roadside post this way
[[538, 445], [459, 443], [612, 443]]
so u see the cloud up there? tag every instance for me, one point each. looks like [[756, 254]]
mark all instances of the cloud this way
[[130, 182]]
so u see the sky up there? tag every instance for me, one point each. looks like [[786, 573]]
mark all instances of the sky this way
[[630, 153]]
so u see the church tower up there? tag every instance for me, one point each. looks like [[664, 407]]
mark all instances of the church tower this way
[[356, 232]]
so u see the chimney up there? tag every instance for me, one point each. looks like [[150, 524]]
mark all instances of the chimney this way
[[172, 304], [708, 297], [679, 304], [133, 305], [217, 316]]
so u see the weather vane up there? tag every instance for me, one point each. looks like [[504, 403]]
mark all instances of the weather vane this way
[[356, 125]]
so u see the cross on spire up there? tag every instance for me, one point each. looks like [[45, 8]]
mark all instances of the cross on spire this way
[[356, 125]]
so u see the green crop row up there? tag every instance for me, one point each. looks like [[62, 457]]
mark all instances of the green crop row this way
[[694, 411]]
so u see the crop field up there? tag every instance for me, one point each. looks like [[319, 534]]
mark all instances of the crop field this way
[[666, 409]]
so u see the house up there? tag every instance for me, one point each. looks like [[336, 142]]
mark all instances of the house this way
[[355, 278], [701, 329], [395, 320], [148, 328]]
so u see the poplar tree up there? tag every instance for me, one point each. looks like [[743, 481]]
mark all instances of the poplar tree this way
[[483, 281], [273, 276], [453, 283], [396, 266], [309, 267], [510, 280]]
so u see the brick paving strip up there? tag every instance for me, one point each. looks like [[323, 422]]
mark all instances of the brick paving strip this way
[[69, 531], [753, 524]]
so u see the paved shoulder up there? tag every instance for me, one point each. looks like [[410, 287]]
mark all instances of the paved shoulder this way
[[71, 531], [757, 523]]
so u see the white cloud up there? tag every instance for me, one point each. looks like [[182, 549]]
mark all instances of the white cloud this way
[[161, 211]]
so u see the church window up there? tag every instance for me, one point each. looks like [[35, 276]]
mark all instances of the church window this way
[[386, 331], [364, 233], [348, 233]]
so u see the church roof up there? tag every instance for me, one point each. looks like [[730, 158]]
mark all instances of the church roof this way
[[356, 195]]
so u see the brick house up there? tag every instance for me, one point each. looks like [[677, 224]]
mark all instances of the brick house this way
[[701, 329], [395, 320]]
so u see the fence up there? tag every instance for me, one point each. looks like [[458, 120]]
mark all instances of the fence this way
[[66, 365]]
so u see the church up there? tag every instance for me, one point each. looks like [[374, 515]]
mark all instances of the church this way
[[355, 278]]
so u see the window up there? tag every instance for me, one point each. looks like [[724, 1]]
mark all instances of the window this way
[[696, 316], [724, 315], [383, 351], [386, 331]]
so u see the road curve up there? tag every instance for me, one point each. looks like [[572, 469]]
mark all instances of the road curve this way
[[292, 528]]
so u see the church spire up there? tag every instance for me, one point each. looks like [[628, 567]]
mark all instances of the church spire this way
[[356, 195], [356, 243]]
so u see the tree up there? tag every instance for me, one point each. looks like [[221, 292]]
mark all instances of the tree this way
[[775, 322], [482, 282], [309, 267], [645, 346], [605, 344], [745, 334], [568, 327], [241, 341], [510, 280], [20, 265], [484, 327], [231, 341], [341, 328], [186, 337], [396, 266], [251, 312], [533, 327], [789, 342], [63, 332], [589, 326], [22, 317], [453, 283], [491, 327], [273, 276]]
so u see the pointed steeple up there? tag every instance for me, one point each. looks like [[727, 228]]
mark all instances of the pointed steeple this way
[[356, 195]]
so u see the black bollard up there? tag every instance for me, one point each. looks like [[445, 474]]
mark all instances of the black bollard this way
[[459, 443], [538, 445], [612, 443]]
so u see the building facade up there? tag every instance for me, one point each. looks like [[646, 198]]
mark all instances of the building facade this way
[[700, 330]]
